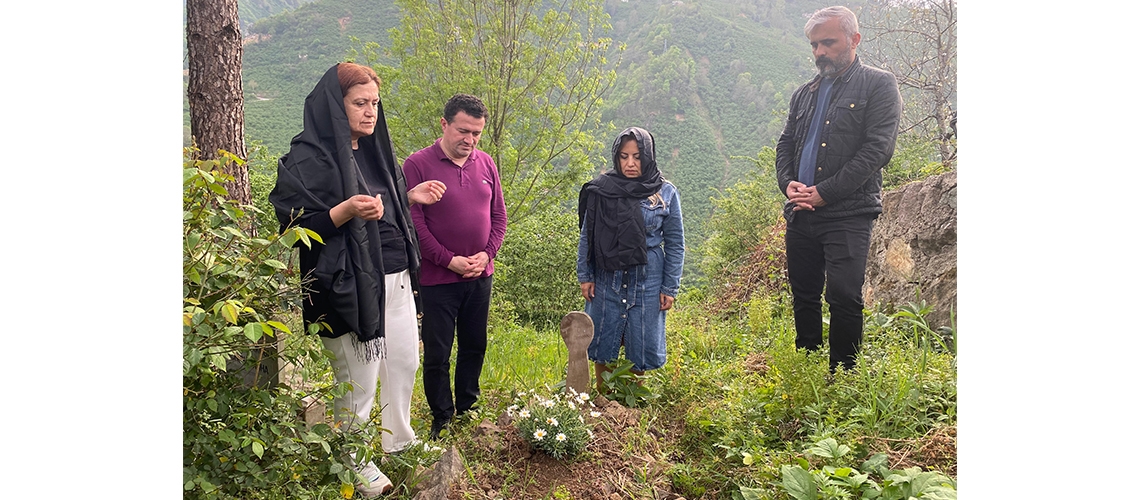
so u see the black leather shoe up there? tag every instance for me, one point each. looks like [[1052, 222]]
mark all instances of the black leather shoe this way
[[438, 425]]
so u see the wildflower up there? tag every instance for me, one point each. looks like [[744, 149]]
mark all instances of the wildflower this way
[[522, 394], [590, 432], [525, 413], [511, 410], [595, 413], [560, 437], [552, 421], [582, 396], [539, 434], [549, 403], [580, 419], [571, 405]]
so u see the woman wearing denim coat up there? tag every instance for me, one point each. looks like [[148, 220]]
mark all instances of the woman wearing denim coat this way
[[630, 253]]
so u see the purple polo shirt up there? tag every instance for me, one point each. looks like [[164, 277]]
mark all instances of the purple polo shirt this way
[[470, 218]]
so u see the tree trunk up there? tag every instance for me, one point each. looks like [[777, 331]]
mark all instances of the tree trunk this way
[[217, 116], [217, 121]]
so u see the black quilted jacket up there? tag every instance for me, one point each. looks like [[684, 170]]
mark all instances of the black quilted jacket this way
[[858, 139]]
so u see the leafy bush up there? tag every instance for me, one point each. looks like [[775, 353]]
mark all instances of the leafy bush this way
[[804, 482], [915, 158], [745, 242], [262, 177], [625, 386], [555, 425], [241, 438], [535, 270]]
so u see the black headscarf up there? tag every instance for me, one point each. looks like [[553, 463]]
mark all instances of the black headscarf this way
[[610, 207], [318, 173]]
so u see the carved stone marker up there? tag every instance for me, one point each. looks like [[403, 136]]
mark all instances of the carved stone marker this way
[[577, 331]]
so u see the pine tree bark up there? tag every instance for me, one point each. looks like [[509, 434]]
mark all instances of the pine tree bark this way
[[217, 121], [217, 115]]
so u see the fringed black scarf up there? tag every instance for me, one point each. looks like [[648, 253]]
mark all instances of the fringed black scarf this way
[[317, 174]]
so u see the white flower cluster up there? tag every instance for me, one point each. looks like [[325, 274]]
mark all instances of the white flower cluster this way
[[560, 416]]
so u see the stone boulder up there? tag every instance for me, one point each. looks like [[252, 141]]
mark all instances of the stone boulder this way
[[439, 478], [914, 249]]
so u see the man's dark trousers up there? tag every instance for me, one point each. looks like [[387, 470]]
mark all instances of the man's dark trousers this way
[[466, 305], [820, 248]]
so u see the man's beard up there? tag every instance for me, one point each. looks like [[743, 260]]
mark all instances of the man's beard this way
[[830, 68]]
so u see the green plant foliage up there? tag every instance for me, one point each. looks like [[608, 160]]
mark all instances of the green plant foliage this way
[[804, 482], [741, 218], [915, 158], [625, 386], [239, 441], [535, 269], [554, 425], [539, 68], [262, 166]]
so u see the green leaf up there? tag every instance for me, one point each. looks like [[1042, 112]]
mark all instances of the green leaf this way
[[798, 483], [233, 231], [747, 458], [876, 464], [258, 449], [218, 361], [230, 312], [212, 404], [280, 326], [194, 356], [253, 331], [188, 486], [193, 276], [276, 264]]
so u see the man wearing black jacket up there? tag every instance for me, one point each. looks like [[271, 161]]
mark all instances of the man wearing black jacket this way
[[840, 133]]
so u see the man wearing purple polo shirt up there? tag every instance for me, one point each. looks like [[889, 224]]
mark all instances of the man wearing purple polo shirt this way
[[459, 237]]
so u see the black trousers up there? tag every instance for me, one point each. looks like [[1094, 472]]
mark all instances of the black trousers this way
[[454, 311], [832, 251]]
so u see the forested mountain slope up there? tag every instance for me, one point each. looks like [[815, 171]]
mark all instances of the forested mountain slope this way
[[249, 11], [709, 78]]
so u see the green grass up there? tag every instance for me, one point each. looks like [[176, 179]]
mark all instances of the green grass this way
[[738, 426]]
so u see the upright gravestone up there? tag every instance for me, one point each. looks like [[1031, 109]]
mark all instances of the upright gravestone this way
[[577, 331]]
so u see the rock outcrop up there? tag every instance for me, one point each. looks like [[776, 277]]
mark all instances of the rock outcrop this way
[[914, 249]]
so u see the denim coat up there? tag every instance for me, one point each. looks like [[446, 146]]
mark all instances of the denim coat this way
[[626, 308]]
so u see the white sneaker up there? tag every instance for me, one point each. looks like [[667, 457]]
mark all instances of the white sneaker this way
[[377, 483]]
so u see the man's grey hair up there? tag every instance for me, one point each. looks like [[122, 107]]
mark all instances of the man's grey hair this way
[[847, 20]]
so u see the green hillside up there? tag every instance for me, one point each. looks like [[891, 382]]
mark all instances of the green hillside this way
[[709, 78], [249, 11], [287, 53]]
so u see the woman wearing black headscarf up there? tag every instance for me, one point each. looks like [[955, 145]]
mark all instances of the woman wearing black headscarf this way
[[630, 254], [340, 179]]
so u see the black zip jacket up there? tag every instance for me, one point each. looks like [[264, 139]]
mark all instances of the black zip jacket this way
[[857, 140]]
